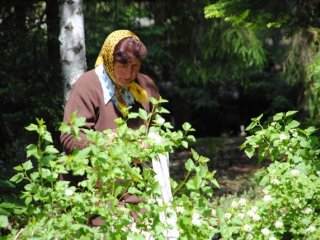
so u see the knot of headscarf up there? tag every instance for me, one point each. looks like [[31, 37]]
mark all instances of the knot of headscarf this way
[[106, 58]]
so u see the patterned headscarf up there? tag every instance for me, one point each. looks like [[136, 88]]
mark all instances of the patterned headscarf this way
[[106, 58]]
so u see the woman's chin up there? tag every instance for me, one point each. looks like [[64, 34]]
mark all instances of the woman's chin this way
[[124, 84]]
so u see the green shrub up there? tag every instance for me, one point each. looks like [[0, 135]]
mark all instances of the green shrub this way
[[288, 206], [56, 209]]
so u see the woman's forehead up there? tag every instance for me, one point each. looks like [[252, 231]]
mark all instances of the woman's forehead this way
[[132, 61]]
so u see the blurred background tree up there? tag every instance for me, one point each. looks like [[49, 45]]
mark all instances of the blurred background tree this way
[[294, 24], [217, 73], [29, 73]]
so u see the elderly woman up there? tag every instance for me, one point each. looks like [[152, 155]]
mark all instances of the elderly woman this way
[[102, 94]]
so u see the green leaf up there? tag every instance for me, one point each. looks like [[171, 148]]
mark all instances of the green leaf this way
[[34, 175], [186, 126], [259, 117], [10, 205], [79, 172], [28, 200], [310, 130], [27, 165], [47, 136], [18, 168], [278, 116], [264, 181], [159, 120], [293, 124], [3, 221], [32, 150], [162, 110], [143, 114], [304, 143], [65, 128], [45, 173], [118, 191], [168, 125], [249, 152], [191, 138], [32, 127], [80, 122], [251, 126], [215, 182], [133, 115], [203, 159], [153, 101], [133, 190], [75, 132], [195, 155], [162, 100], [17, 178], [189, 165], [83, 153], [45, 161], [290, 113], [51, 150], [190, 184], [184, 144]]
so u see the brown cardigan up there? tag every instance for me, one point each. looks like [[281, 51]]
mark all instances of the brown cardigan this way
[[86, 97]]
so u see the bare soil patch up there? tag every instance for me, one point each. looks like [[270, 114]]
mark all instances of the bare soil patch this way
[[234, 170]]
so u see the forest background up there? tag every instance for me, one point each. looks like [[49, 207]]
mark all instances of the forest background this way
[[217, 73]]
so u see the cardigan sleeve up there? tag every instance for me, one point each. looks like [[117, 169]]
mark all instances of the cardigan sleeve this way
[[147, 83], [83, 99]]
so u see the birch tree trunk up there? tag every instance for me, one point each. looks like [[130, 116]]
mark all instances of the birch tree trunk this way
[[72, 42]]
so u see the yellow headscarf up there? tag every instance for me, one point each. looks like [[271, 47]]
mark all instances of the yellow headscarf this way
[[106, 58]]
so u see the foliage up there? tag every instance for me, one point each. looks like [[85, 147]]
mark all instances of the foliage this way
[[285, 206], [29, 79], [236, 49], [218, 55], [187, 56], [288, 205], [313, 94], [109, 169], [25, 73], [290, 15], [299, 25], [302, 72]]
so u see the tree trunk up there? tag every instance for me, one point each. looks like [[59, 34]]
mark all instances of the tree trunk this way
[[72, 42]]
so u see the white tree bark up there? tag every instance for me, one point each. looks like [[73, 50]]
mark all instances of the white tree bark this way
[[72, 42]]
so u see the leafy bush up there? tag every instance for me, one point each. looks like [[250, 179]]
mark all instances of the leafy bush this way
[[286, 205], [289, 204], [109, 169]]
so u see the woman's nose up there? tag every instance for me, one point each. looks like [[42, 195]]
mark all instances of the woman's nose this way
[[126, 73], [130, 73]]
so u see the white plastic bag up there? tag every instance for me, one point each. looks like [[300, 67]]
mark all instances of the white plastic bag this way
[[161, 167]]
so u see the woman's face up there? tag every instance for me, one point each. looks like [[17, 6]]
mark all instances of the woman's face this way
[[126, 73]]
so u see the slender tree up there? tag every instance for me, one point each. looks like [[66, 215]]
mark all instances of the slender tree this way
[[72, 42]]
